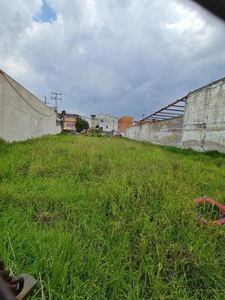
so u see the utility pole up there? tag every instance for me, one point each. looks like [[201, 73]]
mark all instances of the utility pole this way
[[56, 98], [95, 118], [143, 115], [46, 101]]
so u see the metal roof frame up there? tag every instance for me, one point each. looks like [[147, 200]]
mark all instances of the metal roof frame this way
[[168, 111]]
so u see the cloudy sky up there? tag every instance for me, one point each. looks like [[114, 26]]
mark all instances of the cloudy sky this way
[[126, 55]]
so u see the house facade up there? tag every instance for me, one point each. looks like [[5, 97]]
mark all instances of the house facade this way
[[125, 122], [107, 123], [68, 121]]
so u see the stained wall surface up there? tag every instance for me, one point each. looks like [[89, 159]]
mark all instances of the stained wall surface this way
[[167, 132], [22, 115], [107, 123], [201, 128], [204, 118]]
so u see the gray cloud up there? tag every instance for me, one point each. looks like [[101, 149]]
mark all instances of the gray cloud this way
[[126, 55]]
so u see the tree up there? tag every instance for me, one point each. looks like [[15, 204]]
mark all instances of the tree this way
[[81, 124]]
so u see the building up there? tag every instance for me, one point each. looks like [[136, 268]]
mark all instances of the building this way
[[125, 122], [104, 122], [107, 123], [68, 121], [93, 122]]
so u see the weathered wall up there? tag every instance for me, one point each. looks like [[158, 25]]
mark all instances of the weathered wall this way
[[202, 128], [204, 118], [22, 115], [167, 132], [107, 123]]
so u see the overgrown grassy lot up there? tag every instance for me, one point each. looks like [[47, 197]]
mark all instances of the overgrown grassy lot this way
[[111, 218]]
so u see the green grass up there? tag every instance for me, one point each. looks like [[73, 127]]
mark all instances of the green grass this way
[[111, 218]]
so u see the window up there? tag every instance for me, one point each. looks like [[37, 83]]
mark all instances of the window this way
[[69, 124], [70, 116], [101, 121], [101, 128], [106, 126]]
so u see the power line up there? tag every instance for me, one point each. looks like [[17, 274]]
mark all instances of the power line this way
[[46, 100], [56, 98], [143, 115], [26, 100]]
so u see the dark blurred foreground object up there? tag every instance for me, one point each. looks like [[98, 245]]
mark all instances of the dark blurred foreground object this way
[[217, 7], [15, 288]]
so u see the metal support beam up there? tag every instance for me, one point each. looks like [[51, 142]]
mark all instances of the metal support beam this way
[[169, 113], [178, 105], [175, 109], [165, 108], [163, 116]]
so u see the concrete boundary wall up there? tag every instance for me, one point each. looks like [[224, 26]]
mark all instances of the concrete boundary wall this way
[[22, 115], [204, 118], [167, 132], [201, 128]]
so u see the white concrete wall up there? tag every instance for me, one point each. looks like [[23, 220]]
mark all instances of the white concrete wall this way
[[22, 115], [204, 119], [167, 132], [134, 133], [107, 123], [201, 128]]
